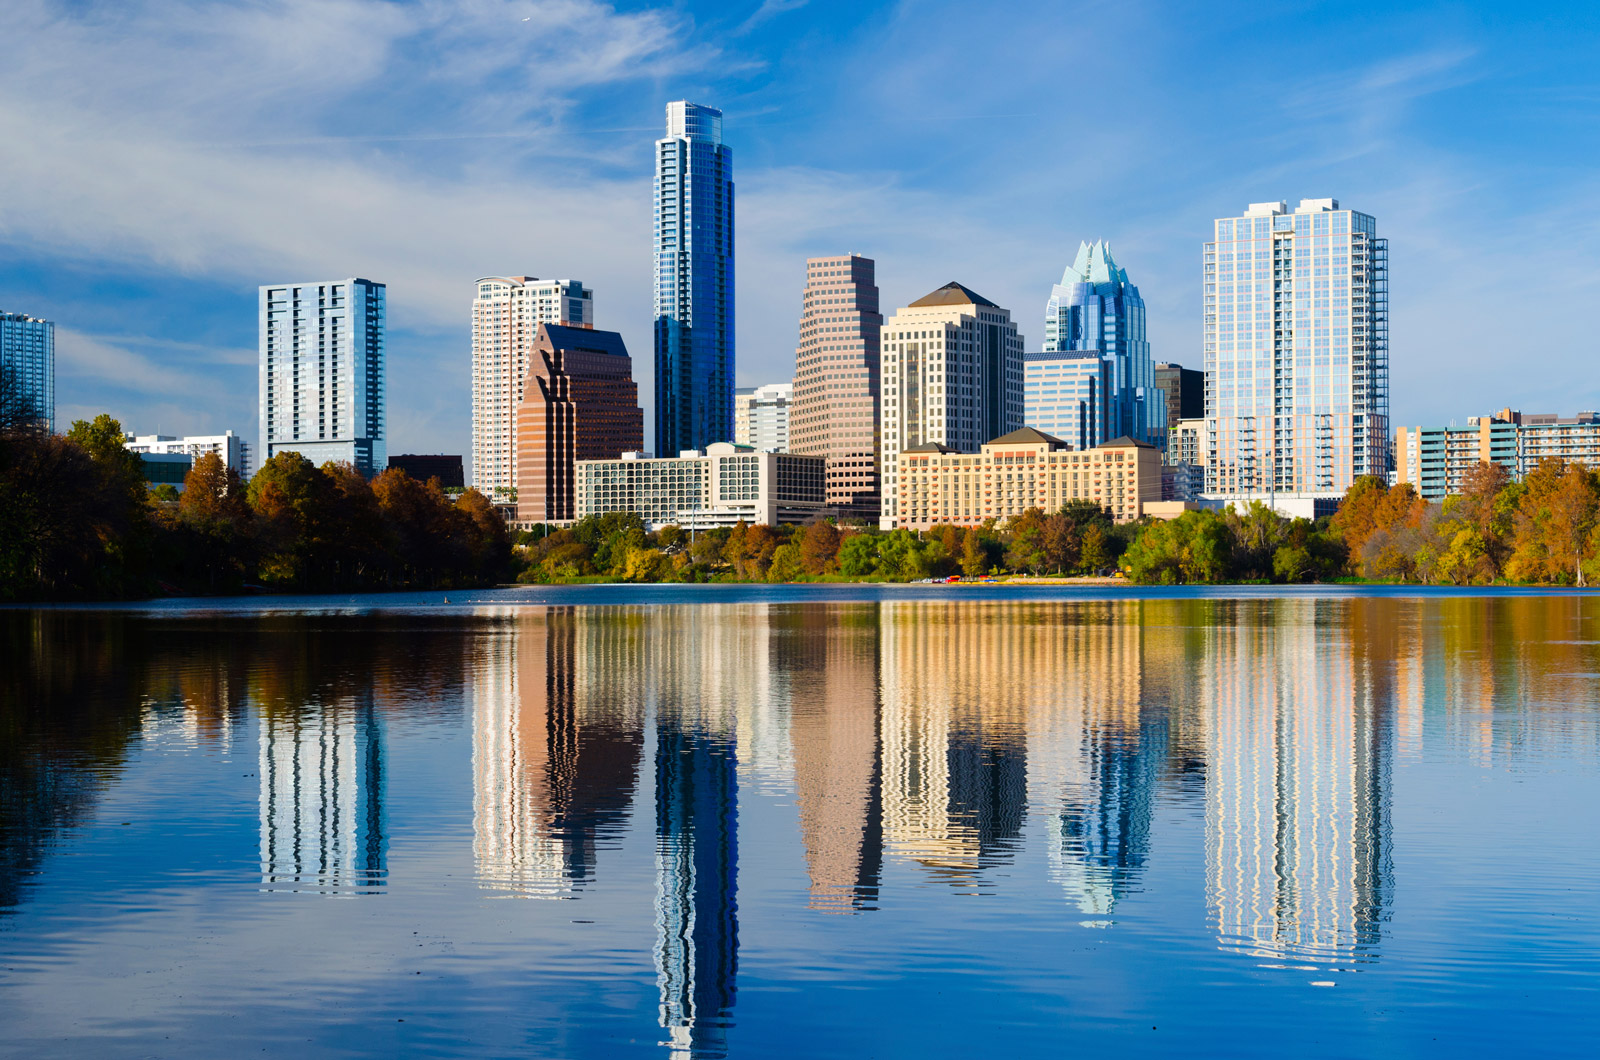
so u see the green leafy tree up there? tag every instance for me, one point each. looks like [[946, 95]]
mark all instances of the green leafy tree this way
[[788, 563], [1194, 548], [858, 555]]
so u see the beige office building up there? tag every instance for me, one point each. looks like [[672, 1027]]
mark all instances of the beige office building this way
[[952, 377], [835, 410], [1021, 470], [506, 315]]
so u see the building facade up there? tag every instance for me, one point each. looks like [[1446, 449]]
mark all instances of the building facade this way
[[1185, 391], [506, 314], [427, 466], [1066, 394], [721, 485], [1024, 469], [836, 409], [1094, 307], [952, 376], [1296, 349], [1187, 443], [1436, 460], [694, 281], [234, 450], [579, 403], [322, 386], [761, 416], [28, 352]]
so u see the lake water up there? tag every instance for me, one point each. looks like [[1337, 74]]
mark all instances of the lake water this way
[[730, 821]]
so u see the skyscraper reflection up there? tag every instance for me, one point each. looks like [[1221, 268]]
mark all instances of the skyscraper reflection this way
[[831, 659], [321, 769], [557, 737], [697, 759], [1297, 806]]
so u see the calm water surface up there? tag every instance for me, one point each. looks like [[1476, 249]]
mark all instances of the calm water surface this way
[[756, 822]]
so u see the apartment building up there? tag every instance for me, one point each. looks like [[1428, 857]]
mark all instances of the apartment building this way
[[506, 315], [1436, 460]]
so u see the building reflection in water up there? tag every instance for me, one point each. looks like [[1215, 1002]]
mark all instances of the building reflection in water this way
[[557, 737], [1300, 759], [321, 769], [830, 657], [697, 759], [955, 683]]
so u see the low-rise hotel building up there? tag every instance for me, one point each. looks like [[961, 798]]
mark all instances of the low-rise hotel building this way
[[1436, 460], [1024, 469], [698, 489]]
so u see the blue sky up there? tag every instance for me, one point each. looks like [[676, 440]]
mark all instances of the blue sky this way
[[163, 158]]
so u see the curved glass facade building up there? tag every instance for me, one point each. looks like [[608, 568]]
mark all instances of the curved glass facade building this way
[[1094, 307], [694, 281]]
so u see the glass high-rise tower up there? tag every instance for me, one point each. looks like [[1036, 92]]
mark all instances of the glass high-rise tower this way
[[323, 393], [694, 281], [1094, 307], [28, 355], [1297, 349]]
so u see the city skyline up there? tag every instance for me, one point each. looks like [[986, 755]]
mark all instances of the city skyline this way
[[214, 201]]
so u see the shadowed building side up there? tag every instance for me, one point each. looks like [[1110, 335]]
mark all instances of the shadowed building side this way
[[579, 403]]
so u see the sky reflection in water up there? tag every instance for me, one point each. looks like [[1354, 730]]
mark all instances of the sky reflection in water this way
[[904, 827]]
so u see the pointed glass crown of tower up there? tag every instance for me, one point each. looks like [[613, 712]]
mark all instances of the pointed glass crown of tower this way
[[1094, 265]]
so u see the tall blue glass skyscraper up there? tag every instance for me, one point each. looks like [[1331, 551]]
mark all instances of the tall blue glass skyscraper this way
[[1094, 307], [28, 354], [694, 281]]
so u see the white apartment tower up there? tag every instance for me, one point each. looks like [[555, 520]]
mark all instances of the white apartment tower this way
[[1296, 350], [322, 388], [506, 315], [952, 375]]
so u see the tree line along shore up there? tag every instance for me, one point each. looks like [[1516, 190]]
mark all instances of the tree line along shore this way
[[78, 522]]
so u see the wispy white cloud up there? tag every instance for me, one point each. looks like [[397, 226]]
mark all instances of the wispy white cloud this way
[[769, 9], [151, 167]]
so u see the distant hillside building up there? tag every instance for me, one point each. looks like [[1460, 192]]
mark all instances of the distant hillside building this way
[[579, 402], [422, 467]]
